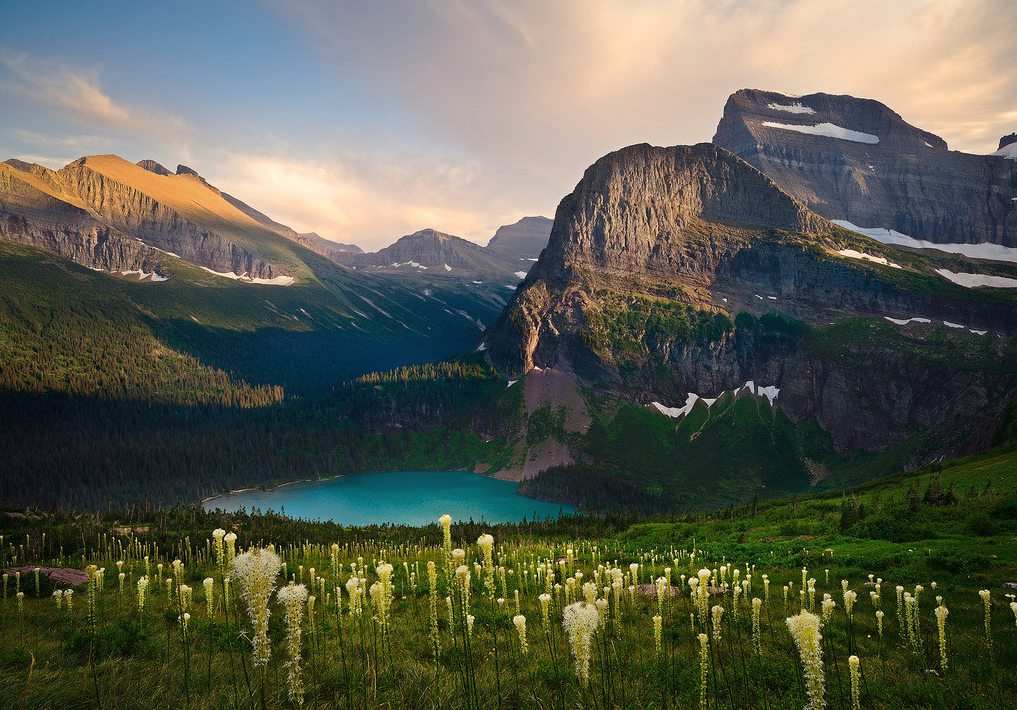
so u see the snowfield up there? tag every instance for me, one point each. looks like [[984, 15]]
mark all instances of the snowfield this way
[[277, 281], [976, 280], [984, 250], [852, 254], [827, 130], [770, 393], [793, 108]]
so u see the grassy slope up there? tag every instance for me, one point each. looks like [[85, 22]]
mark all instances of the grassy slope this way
[[139, 657]]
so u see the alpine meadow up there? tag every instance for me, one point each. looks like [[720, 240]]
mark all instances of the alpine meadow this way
[[336, 419]]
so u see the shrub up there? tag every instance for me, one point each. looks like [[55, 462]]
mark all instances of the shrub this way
[[979, 523]]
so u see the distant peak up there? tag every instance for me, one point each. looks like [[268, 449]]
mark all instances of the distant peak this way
[[19, 165], [184, 170], [153, 167], [1003, 142]]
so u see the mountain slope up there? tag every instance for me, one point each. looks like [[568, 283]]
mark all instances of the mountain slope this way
[[680, 273], [856, 160], [523, 240], [274, 312]]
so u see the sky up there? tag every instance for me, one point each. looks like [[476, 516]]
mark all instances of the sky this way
[[367, 120]]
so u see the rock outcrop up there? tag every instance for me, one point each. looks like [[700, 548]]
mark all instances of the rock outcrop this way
[[523, 240], [660, 252], [857, 160], [106, 213]]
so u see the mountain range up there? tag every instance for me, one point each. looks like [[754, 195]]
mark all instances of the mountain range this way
[[690, 329]]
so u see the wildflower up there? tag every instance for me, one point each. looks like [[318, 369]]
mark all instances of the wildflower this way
[[757, 604], [209, 596], [469, 624], [486, 544], [941, 614], [580, 621], [292, 597], [590, 592], [703, 595], [217, 546], [432, 579], [545, 603], [446, 527], [142, 588], [804, 629], [384, 571], [256, 573], [185, 619], [58, 597], [986, 596], [1013, 608], [849, 601], [855, 665], [69, 598], [717, 612], [520, 623], [21, 602], [704, 664], [353, 588], [879, 623], [828, 606], [657, 631], [231, 550]]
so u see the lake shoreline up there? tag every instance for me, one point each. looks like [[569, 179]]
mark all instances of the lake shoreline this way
[[393, 497], [323, 480]]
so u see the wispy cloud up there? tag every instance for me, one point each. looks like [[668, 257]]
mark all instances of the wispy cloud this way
[[367, 198], [541, 85], [77, 95]]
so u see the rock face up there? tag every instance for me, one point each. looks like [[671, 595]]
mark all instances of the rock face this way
[[523, 240], [855, 159], [106, 213], [660, 251], [1007, 140]]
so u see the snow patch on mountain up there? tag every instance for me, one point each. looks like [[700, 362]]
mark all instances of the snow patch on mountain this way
[[769, 392], [244, 278], [985, 250], [796, 107], [852, 254], [828, 130], [976, 280]]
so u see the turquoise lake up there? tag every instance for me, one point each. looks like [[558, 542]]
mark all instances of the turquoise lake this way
[[397, 497]]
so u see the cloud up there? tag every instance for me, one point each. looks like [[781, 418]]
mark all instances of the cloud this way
[[366, 198], [544, 88], [76, 94]]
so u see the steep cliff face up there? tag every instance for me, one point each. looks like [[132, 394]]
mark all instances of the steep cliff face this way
[[685, 270], [29, 214], [105, 212], [855, 159]]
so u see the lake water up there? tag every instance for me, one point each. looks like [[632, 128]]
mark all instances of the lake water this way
[[399, 497]]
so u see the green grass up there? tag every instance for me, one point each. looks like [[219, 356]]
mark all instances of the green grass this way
[[123, 656]]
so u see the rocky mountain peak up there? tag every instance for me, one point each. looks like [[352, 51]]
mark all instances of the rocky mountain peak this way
[[857, 160], [1007, 140], [523, 240], [153, 167], [640, 210], [19, 165]]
